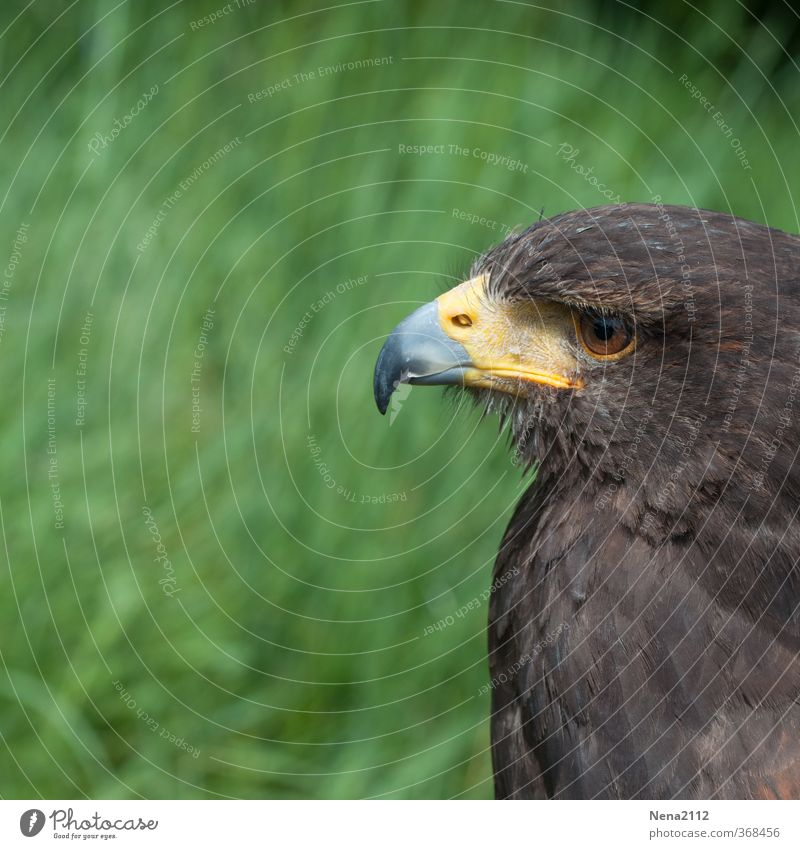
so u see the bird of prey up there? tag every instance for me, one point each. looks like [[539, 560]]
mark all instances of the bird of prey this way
[[644, 624]]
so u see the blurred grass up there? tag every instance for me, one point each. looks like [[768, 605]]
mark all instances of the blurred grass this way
[[293, 655]]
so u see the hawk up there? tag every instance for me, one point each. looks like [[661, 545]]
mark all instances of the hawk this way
[[646, 360]]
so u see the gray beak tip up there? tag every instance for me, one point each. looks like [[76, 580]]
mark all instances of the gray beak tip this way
[[382, 385]]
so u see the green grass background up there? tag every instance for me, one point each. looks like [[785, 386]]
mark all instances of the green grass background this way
[[293, 659]]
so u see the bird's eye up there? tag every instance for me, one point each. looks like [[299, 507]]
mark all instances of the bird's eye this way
[[605, 336]]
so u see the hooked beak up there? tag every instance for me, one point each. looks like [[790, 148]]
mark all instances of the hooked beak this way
[[463, 338], [418, 351]]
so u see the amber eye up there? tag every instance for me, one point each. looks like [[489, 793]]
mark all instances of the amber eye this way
[[605, 335]]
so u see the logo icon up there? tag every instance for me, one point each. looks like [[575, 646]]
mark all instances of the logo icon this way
[[31, 822]]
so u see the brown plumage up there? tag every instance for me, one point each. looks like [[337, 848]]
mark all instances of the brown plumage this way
[[647, 643]]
